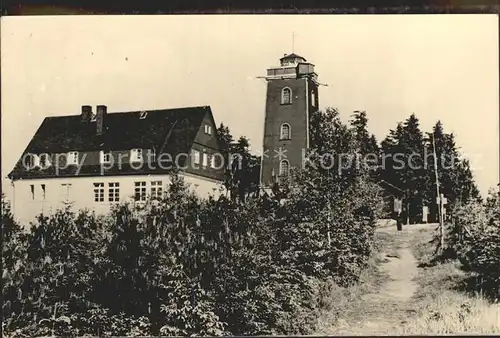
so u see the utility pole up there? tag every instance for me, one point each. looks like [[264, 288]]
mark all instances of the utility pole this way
[[439, 197]]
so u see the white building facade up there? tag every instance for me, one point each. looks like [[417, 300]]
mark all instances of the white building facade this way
[[39, 186]]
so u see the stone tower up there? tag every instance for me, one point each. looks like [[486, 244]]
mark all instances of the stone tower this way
[[292, 94]]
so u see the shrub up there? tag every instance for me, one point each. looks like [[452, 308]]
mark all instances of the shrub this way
[[188, 266], [474, 238]]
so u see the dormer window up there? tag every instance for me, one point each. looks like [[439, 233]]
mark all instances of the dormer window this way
[[205, 160], [31, 161], [104, 157], [36, 161], [286, 96], [72, 158], [152, 154], [136, 155], [44, 161], [28, 161], [196, 157], [213, 162], [208, 129], [143, 115]]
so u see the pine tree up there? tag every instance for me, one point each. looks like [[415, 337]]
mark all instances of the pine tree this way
[[366, 144], [242, 174], [456, 182], [403, 165]]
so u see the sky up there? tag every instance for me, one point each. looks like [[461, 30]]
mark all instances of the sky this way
[[440, 67]]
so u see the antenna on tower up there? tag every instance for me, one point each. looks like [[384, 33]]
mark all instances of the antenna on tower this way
[[293, 42]]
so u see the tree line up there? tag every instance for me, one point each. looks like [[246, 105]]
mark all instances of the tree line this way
[[404, 159], [245, 263]]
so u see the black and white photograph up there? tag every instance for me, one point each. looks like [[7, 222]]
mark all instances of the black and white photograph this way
[[250, 175]]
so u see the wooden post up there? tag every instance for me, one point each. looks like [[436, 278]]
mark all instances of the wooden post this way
[[439, 197], [407, 212]]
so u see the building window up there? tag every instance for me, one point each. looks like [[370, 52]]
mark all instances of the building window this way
[[205, 160], [313, 99], [196, 157], [136, 155], [286, 96], [156, 189], [208, 129], [140, 191], [43, 191], [284, 167], [65, 191], [113, 192], [285, 132], [73, 158], [105, 157], [32, 189], [98, 192], [213, 162], [44, 161]]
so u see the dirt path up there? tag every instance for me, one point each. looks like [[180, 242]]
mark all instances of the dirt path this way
[[383, 311]]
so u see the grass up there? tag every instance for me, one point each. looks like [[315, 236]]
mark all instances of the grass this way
[[437, 307], [440, 307], [337, 299]]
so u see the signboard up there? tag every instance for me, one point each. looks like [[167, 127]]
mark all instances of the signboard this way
[[397, 205], [425, 213], [445, 200]]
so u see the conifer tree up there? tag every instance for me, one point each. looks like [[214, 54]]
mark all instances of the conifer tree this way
[[242, 170]]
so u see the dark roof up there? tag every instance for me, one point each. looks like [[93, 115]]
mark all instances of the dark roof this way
[[168, 130], [292, 56]]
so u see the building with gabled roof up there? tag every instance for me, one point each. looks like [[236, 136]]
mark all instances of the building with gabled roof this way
[[94, 160]]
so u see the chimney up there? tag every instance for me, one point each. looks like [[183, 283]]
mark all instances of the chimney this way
[[100, 119], [86, 113]]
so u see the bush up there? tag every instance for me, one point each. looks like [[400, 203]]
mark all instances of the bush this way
[[188, 266], [474, 238]]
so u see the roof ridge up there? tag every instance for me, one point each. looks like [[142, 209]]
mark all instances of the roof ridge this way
[[135, 111]]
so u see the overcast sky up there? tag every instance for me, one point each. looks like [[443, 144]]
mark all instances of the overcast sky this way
[[439, 67]]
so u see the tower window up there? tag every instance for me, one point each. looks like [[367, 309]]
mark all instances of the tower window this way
[[313, 99], [284, 167], [285, 132], [286, 96]]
